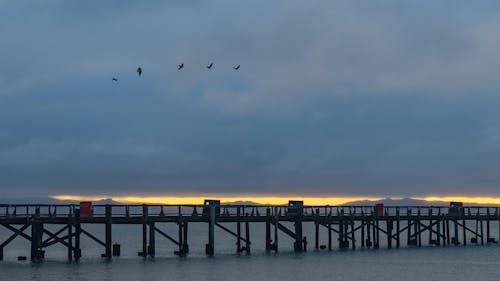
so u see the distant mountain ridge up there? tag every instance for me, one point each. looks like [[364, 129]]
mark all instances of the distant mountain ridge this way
[[409, 202], [385, 201], [397, 202]]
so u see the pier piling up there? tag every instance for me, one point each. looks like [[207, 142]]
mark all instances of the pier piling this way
[[209, 247], [109, 221]]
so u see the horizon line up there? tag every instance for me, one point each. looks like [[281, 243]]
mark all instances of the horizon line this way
[[265, 199]]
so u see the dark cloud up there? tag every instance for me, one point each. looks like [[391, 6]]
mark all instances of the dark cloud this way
[[379, 98]]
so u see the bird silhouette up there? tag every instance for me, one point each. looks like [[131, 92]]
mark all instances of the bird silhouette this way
[[180, 66], [236, 67], [139, 71], [115, 79], [210, 65]]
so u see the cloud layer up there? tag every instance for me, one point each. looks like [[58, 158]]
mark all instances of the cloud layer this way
[[385, 98]]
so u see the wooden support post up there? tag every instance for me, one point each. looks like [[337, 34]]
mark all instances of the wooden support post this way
[[329, 233], [408, 229], [343, 243], [238, 231], [180, 233], [276, 220], [390, 225], [77, 252], [185, 246], [316, 230], [70, 237], [37, 237], [398, 228], [488, 226], [341, 232], [456, 242], [498, 217], [374, 233], [152, 240], [415, 230], [438, 227], [316, 235], [108, 242], [482, 233], [369, 242], [353, 238], [247, 236], [377, 226], [476, 231], [41, 252], [464, 232], [362, 229], [443, 219], [34, 240], [1, 253], [448, 231], [430, 225], [419, 228], [145, 219], [268, 229], [438, 230], [209, 247], [297, 246]]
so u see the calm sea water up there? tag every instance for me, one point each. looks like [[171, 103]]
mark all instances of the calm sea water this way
[[427, 263]]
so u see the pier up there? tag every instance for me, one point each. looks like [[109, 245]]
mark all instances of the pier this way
[[342, 227]]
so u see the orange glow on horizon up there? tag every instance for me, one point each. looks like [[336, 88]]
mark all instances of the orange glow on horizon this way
[[191, 199], [465, 199], [268, 199]]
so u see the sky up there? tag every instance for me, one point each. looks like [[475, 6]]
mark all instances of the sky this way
[[339, 98]]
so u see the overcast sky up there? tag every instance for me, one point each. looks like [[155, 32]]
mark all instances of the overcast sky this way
[[385, 98]]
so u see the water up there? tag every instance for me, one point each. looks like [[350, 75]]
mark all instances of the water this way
[[427, 263]]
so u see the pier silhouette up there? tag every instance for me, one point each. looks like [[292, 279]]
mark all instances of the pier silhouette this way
[[353, 226]]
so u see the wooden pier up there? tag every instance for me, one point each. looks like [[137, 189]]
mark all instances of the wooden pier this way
[[395, 226]]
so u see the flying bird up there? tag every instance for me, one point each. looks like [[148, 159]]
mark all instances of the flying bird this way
[[210, 65], [139, 71], [115, 79], [180, 66], [236, 67]]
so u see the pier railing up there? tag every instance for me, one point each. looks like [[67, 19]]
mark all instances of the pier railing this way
[[137, 210]]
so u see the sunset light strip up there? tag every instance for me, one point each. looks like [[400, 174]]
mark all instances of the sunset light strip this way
[[271, 200]]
